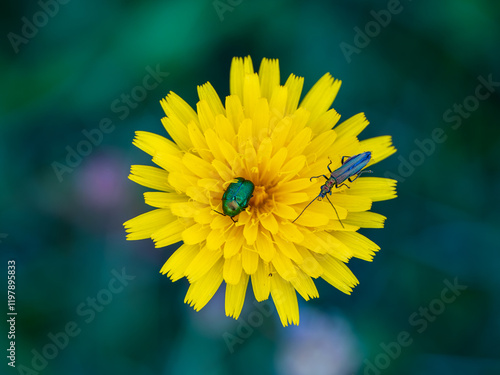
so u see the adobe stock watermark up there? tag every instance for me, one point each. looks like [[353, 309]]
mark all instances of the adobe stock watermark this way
[[372, 29], [224, 6], [31, 26], [88, 310], [420, 319], [453, 116], [122, 107]]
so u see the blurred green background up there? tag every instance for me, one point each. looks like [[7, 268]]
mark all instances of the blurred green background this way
[[69, 67]]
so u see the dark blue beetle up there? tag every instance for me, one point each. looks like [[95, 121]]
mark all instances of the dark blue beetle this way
[[351, 167]]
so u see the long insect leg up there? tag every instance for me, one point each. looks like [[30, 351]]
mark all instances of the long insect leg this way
[[220, 213], [304, 209], [328, 166], [338, 217], [359, 174], [321, 175]]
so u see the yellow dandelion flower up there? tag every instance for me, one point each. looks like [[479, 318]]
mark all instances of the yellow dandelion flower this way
[[261, 134]]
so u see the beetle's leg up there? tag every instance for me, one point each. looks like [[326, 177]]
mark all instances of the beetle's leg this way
[[328, 166], [359, 174], [326, 178], [343, 158]]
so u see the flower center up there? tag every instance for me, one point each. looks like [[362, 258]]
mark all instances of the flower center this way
[[259, 196]]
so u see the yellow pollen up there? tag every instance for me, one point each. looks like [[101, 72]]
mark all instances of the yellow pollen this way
[[259, 196]]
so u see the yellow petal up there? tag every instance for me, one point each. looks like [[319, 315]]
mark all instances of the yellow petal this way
[[294, 86], [292, 168], [280, 132], [284, 266], [321, 146], [250, 231], [365, 219], [381, 148], [249, 259], [304, 285], [299, 142], [269, 74], [288, 249], [352, 126], [186, 209], [144, 225], [169, 234], [300, 119], [239, 68], [163, 200], [361, 246], [277, 105], [199, 142], [233, 246], [235, 297], [291, 232], [182, 180], [169, 162], [233, 158], [326, 121], [374, 188], [352, 203], [204, 216], [337, 273], [215, 239], [199, 196], [285, 300], [333, 246], [223, 170], [312, 242], [176, 265], [269, 222], [207, 92], [152, 143], [202, 263], [195, 234], [232, 270], [234, 111], [290, 198], [176, 108], [321, 96], [310, 265], [275, 164], [179, 114], [152, 177], [284, 211], [261, 281], [198, 166], [201, 291], [178, 132], [205, 114], [245, 135], [224, 129], [251, 93], [260, 120], [265, 247]]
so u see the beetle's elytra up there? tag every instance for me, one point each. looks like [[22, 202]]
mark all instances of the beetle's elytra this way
[[236, 197]]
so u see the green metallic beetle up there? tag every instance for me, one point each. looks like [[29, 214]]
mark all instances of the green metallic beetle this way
[[236, 197]]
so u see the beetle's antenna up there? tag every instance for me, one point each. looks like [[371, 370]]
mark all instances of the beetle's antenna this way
[[335, 211], [305, 209]]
